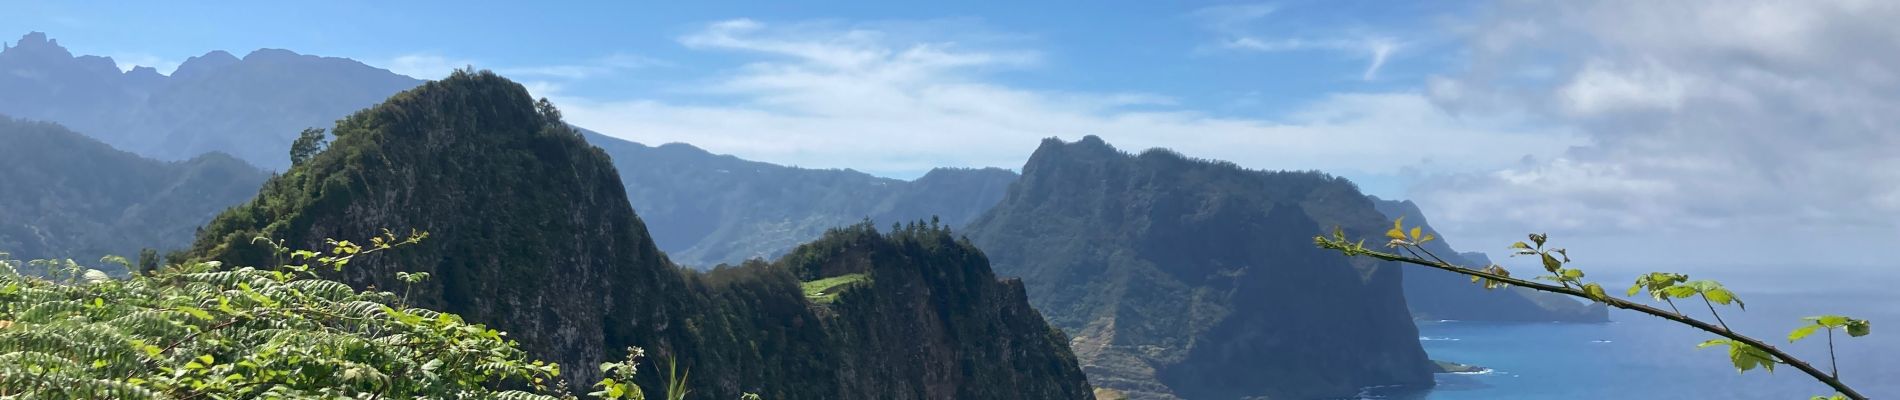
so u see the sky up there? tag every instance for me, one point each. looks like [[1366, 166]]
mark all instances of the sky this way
[[1695, 134]]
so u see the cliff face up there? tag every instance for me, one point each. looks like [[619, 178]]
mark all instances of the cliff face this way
[[1435, 295], [1182, 278], [707, 209], [532, 234], [69, 196]]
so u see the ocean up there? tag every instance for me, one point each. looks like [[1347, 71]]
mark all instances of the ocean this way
[[1641, 357]]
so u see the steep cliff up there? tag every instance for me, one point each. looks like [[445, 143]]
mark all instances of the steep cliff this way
[[532, 234], [1183, 278], [530, 231], [1435, 295]]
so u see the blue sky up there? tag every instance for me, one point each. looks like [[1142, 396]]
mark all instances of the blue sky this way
[[1626, 124]]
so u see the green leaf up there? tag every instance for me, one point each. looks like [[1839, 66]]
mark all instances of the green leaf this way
[[1831, 321], [1720, 296], [1551, 264], [195, 312], [1802, 332], [1859, 327], [1743, 356], [1572, 273], [1595, 291]]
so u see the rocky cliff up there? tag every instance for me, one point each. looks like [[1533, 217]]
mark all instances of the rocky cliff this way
[[1184, 278]]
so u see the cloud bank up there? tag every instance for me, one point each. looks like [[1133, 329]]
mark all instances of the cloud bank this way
[[1770, 123], [824, 95]]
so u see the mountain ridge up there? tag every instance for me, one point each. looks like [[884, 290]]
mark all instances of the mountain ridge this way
[[72, 196], [250, 108], [1189, 278], [532, 233]]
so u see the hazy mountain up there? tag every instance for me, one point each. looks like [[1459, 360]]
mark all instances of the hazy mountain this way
[[706, 209], [250, 108], [533, 234], [1443, 295], [69, 196], [1184, 278]]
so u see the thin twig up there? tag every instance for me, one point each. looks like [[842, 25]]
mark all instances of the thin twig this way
[[1718, 316], [1803, 366]]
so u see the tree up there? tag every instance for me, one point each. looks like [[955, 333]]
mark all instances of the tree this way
[[308, 144], [1745, 352], [547, 110], [148, 260]]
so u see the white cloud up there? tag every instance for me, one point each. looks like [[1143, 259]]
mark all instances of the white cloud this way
[[863, 98], [432, 66], [128, 61], [1600, 88], [1240, 27], [425, 65], [1745, 120]]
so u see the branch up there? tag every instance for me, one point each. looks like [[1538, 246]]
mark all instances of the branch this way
[[1818, 375]]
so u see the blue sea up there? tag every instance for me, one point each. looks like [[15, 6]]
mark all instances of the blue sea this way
[[1642, 357]]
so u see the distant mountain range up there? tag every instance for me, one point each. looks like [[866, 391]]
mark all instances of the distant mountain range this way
[[708, 209], [250, 108], [65, 195]]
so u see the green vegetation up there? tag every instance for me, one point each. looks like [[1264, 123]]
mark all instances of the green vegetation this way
[[533, 233], [72, 197], [1745, 352], [205, 331], [534, 236], [826, 290]]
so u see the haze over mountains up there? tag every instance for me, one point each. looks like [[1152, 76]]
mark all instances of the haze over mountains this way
[[708, 209], [70, 196], [250, 108], [1176, 277]]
